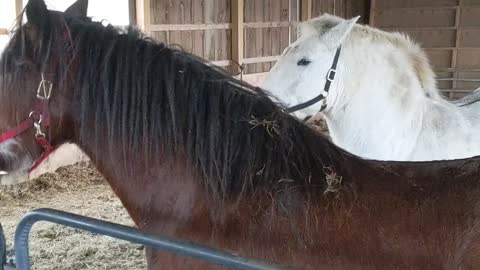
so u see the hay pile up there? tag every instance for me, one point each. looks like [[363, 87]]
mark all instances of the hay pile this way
[[78, 189]]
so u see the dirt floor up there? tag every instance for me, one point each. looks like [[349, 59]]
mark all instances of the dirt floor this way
[[79, 189]]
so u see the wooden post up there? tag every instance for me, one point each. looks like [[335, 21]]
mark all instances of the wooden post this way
[[143, 15], [132, 12], [18, 10], [237, 32], [18, 7], [372, 13], [457, 45], [305, 10]]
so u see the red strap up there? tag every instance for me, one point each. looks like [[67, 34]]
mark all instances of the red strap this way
[[41, 108], [14, 132], [42, 141]]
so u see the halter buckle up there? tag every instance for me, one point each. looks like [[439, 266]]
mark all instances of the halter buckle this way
[[37, 124], [44, 90], [323, 104], [331, 74]]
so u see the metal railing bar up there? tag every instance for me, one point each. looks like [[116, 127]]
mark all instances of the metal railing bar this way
[[130, 234], [458, 79]]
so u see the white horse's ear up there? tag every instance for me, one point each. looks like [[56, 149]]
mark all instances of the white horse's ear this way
[[337, 34]]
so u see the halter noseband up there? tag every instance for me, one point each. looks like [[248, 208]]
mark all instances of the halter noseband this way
[[38, 118], [324, 94]]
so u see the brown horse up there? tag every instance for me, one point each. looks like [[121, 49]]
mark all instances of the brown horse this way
[[195, 154]]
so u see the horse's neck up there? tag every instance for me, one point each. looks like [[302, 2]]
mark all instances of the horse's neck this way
[[379, 104], [165, 186]]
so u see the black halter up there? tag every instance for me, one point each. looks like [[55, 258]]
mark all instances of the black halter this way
[[330, 77]]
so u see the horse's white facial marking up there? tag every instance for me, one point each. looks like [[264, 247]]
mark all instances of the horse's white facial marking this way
[[15, 167]]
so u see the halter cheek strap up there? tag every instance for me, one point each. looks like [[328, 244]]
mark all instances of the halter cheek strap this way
[[38, 118], [332, 72]]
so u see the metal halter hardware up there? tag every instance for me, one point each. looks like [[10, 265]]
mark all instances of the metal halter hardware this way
[[332, 72], [38, 118], [37, 123], [44, 90]]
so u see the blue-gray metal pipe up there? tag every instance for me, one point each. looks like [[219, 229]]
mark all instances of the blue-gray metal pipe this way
[[128, 234], [3, 249]]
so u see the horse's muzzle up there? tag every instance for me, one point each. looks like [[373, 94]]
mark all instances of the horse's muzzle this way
[[307, 118]]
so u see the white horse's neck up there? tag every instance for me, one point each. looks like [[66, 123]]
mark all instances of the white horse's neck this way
[[383, 103], [378, 84]]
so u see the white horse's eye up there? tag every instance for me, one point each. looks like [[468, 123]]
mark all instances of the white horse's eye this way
[[303, 62]]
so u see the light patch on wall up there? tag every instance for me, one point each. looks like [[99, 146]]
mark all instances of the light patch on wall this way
[[7, 14]]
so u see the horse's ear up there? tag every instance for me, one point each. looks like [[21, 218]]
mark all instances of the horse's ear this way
[[78, 9], [36, 11], [337, 34]]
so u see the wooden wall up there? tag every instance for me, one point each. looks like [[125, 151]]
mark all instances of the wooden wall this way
[[448, 29], [342, 8], [200, 27], [204, 27], [269, 28]]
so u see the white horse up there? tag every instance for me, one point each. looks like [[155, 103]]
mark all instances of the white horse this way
[[382, 101]]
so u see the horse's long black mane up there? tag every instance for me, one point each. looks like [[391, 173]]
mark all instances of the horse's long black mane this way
[[154, 99]]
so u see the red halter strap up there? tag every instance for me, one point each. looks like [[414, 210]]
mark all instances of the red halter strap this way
[[38, 118]]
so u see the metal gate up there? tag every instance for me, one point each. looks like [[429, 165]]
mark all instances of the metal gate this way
[[122, 232]]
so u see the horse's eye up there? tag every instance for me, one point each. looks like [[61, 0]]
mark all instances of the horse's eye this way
[[303, 62]]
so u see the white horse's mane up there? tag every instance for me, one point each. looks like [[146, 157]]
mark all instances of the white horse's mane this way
[[413, 52]]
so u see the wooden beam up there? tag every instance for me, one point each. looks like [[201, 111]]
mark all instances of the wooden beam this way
[[405, 28], [143, 17], [132, 12], [262, 59], [218, 26], [457, 44], [429, 8], [221, 63], [18, 7], [371, 16], [237, 32], [18, 11], [189, 27], [269, 24], [452, 48], [305, 10], [457, 69]]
